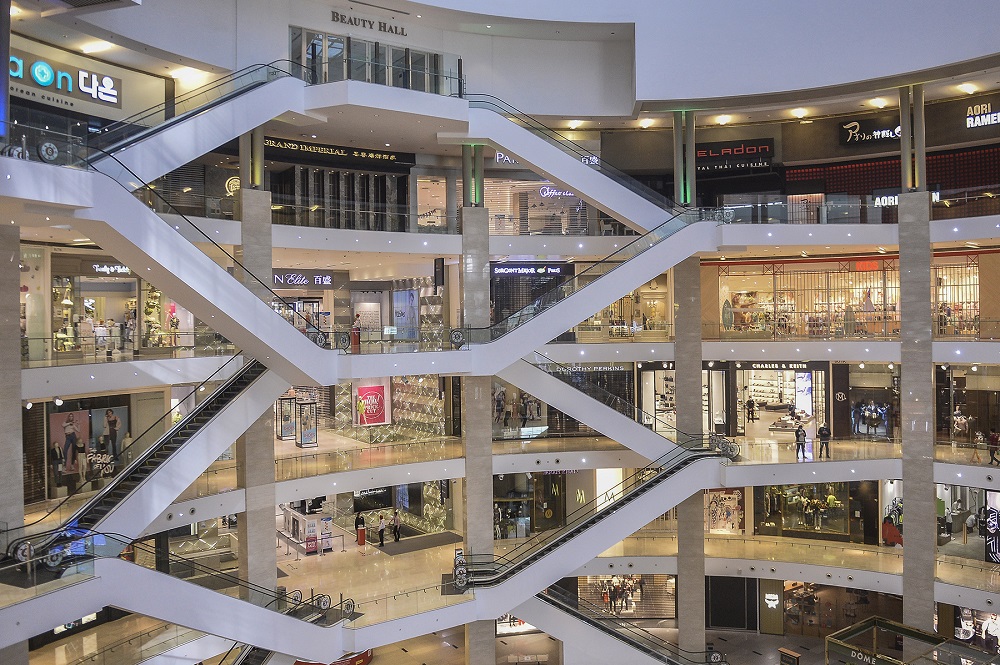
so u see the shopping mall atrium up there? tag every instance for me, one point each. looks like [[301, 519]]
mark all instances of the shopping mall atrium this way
[[525, 332]]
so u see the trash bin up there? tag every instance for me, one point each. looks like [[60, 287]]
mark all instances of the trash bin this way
[[361, 536]]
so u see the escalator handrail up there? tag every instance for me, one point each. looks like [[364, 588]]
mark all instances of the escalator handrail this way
[[490, 569], [488, 101], [87, 505], [134, 121], [569, 371], [636, 635], [310, 327], [541, 304]]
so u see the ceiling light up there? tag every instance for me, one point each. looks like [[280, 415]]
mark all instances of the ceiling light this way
[[58, 401], [489, 26], [975, 368], [800, 112], [189, 75], [861, 365], [881, 250], [968, 88], [891, 365], [14, 11], [724, 119], [573, 124], [878, 102], [28, 406], [96, 47], [646, 123]]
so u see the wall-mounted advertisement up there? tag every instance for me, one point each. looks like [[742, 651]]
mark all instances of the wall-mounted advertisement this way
[[69, 433], [404, 314], [993, 527], [724, 510], [108, 426], [286, 418], [804, 392], [308, 434], [371, 405]]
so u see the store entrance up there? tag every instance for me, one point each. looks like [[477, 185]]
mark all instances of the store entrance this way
[[774, 401]]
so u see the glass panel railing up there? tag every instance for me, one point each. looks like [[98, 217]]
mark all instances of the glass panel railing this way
[[103, 471], [39, 144], [967, 202], [566, 144], [405, 603], [624, 630], [140, 646], [493, 568], [438, 75], [60, 350]]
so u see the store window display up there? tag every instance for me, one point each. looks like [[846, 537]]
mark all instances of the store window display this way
[[967, 403], [803, 510]]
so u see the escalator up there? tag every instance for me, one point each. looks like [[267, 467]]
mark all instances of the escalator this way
[[96, 570], [513, 575], [160, 139], [567, 389], [571, 611], [551, 153], [70, 518]]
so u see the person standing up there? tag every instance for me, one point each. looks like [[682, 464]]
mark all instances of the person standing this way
[[994, 445], [523, 411], [70, 433], [356, 334], [395, 526], [359, 528], [56, 462], [381, 530], [751, 410], [857, 412], [800, 442], [991, 631], [824, 440]]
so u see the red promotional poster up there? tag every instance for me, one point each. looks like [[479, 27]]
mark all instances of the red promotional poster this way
[[372, 398]]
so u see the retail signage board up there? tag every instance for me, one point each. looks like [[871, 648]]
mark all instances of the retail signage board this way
[[864, 131], [293, 150], [865, 266], [742, 154], [984, 113], [58, 82], [992, 532], [302, 279], [368, 23], [528, 269]]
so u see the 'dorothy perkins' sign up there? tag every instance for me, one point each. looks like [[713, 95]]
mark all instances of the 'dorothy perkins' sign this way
[[59, 83]]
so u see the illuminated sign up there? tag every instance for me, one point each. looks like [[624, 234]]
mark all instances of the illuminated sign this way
[[368, 24], [526, 269], [869, 130], [547, 192], [232, 185], [981, 115], [723, 155], [62, 81], [279, 149], [111, 269], [891, 200], [306, 279], [862, 266], [771, 600], [503, 158]]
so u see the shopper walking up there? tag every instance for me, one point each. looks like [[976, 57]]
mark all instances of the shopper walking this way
[[994, 445], [381, 530], [824, 440], [800, 442], [751, 410], [395, 526], [523, 412], [857, 413]]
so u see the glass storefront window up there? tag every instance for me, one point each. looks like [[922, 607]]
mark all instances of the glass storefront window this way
[[814, 508], [534, 207]]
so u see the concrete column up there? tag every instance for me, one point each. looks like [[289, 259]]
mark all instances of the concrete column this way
[[467, 177], [691, 511], [690, 173], [711, 312], [4, 72], [679, 157], [245, 169], [917, 408], [255, 449], [479, 169], [905, 145], [451, 202], [919, 139], [414, 204], [257, 158], [11, 453], [477, 490]]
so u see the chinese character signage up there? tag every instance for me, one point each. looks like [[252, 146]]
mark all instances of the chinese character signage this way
[[866, 131], [305, 279], [291, 150]]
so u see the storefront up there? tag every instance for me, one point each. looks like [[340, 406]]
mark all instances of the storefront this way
[[866, 400], [534, 207], [657, 396], [631, 596], [839, 511], [527, 503], [817, 610], [517, 288], [92, 306], [776, 397], [968, 402], [425, 507], [645, 314]]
